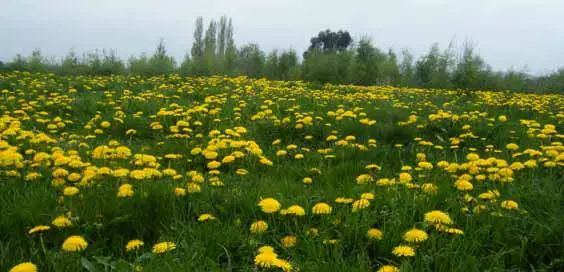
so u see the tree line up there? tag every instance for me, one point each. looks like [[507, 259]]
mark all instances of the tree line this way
[[332, 57]]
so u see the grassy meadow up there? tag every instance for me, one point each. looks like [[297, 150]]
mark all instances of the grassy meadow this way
[[171, 173]]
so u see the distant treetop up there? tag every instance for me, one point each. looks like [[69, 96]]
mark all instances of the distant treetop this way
[[328, 40]]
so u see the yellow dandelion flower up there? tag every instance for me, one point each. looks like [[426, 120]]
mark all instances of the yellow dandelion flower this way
[[283, 264], [464, 185], [206, 217], [437, 217], [403, 251], [105, 124], [266, 161], [330, 241], [415, 236], [38, 229], [509, 205], [228, 159], [61, 222], [24, 267], [312, 232], [163, 247], [321, 208], [70, 191], [134, 245], [373, 167], [269, 205], [293, 210], [343, 200], [258, 226], [388, 268], [193, 188], [266, 259], [195, 151], [289, 241], [179, 191], [130, 132], [74, 243], [241, 172], [360, 204], [364, 178], [368, 196], [472, 157], [265, 249], [214, 164], [405, 178], [374, 233], [125, 190]]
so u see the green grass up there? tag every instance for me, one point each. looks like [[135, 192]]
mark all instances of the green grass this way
[[528, 239]]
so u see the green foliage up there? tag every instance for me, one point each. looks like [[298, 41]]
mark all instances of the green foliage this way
[[106, 64], [391, 69], [434, 69], [288, 65], [406, 68], [71, 64], [185, 65], [369, 63], [251, 60], [210, 39], [271, 65], [230, 60], [222, 36], [366, 68], [330, 58], [516, 80], [332, 67], [282, 66], [160, 63], [140, 65], [469, 69], [198, 45], [553, 82], [36, 62], [213, 52], [18, 63]]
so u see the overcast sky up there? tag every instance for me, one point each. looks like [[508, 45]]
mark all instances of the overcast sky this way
[[508, 33]]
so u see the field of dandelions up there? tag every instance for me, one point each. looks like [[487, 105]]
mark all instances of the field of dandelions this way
[[130, 173]]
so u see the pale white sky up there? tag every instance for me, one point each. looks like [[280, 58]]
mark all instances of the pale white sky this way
[[508, 33]]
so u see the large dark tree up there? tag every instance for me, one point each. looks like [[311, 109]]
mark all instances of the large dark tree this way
[[328, 41]]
